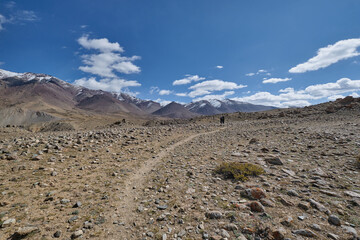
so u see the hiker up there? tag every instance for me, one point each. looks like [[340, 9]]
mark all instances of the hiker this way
[[222, 120]]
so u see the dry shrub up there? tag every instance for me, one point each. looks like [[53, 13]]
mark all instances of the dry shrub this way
[[239, 171]]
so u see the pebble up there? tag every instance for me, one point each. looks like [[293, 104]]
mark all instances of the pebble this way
[[214, 215], [316, 227], [256, 207], [77, 234], [274, 161], [333, 236], [253, 193], [57, 234], [8, 222], [334, 220], [304, 233]]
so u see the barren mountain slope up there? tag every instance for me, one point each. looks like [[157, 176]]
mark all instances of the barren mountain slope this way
[[159, 182]]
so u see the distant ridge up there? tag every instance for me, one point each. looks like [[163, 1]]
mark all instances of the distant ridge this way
[[215, 106], [35, 98], [175, 110]]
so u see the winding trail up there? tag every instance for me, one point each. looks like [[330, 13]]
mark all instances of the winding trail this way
[[134, 183]]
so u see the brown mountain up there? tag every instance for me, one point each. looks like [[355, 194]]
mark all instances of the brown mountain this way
[[27, 98], [147, 106], [175, 110]]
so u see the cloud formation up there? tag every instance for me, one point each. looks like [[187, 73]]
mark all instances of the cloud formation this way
[[260, 71], [220, 67], [329, 55], [207, 87], [108, 58], [213, 96], [25, 16], [101, 44], [165, 92], [3, 20], [289, 97], [188, 79], [106, 84], [276, 80], [162, 102], [17, 16], [105, 62]]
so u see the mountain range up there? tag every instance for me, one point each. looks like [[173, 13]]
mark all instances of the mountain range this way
[[28, 98]]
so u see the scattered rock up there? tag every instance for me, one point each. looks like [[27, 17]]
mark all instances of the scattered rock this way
[[256, 207], [8, 222], [304, 233], [274, 161], [77, 234], [214, 215], [253, 193], [334, 220]]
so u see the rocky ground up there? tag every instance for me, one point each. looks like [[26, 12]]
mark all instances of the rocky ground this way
[[159, 183]]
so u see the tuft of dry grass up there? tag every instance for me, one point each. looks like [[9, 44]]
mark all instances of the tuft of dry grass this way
[[239, 171]]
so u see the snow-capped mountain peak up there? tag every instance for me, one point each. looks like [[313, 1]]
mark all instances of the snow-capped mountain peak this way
[[28, 76], [217, 106], [6, 74]]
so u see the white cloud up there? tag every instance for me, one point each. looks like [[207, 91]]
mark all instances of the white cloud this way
[[334, 97], [26, 16], [213, 96], [102, 44], [108, 60], [165, 92], [126, 67], [83, 26], [331, 54], [10, 4], [220, 67], [209, 86], [188, 79], [17, 16], [260, 71], [110, 85], [3, 20], [343, 85], [162, 102], [289, 97], [276, 80], [154, 90], [181, 94]]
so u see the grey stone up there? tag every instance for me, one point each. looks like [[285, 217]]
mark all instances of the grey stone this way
[[162, 207], [334, 220], [274, 161], [214, 215], [333, 236], [57, 234], [316, 227], [77, 204], [77, 234], [304, 233], [8, 222]]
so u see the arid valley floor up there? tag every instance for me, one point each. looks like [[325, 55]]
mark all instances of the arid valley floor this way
[[158, 182]]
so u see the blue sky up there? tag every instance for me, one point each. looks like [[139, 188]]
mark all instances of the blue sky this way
[[280, 53]]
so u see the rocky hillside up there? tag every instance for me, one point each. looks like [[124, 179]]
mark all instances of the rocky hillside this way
[[162, 182]]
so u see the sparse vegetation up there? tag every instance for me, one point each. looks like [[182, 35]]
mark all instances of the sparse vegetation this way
[[358, 160], [239, 171]]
